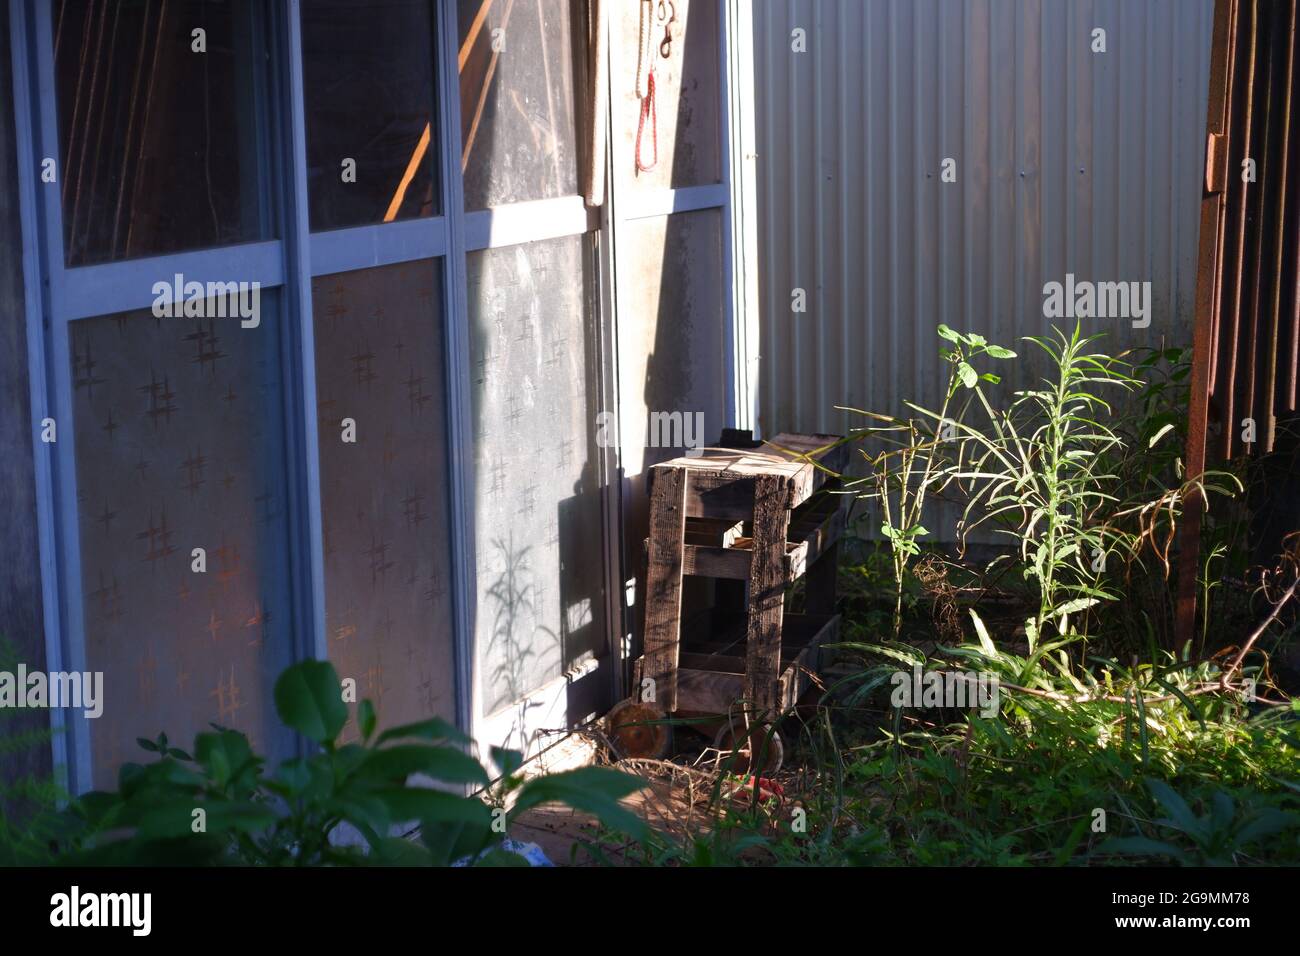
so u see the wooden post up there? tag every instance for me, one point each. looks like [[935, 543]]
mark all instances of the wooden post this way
[[663, 615], [767, 593]]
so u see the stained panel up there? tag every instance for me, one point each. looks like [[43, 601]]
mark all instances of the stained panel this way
[[384, 496], [178, 440]]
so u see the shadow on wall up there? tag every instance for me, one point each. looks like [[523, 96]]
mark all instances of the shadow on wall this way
[[675, 294]]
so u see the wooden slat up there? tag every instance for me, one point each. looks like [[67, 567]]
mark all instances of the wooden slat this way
[[722, 480], [796, 677], [1236, 239], [813, 542], [715, 683], [817, 532], [729, 563], [664, 586], [1273, 322], [709, 692], [1208, 319], [767, 576]]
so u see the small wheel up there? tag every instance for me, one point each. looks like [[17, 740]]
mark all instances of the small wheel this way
[[639, 730], [735, 743]]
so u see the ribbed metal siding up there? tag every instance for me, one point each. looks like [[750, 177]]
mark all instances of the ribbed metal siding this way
[[1068, 161]]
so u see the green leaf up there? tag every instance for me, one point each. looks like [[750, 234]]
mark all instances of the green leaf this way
[[1159, 435], [998, 352], [986, 642], [507, 761], [435, 728], [1187, 701], [366, 719], [440, 763], [1268, 821], [1078, 604], [221, 754], [596, 790], [425, 804], [969, 377], [947, 333], [1142, 846], [1072, 841], [294, 775], [1177, 808], [309, 698]]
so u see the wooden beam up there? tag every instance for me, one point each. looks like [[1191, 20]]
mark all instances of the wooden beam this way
[[664, 586]]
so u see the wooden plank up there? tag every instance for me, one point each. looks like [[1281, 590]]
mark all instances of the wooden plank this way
[[813, 540], [722, 480], [797, 676], [722, 663], [730, 563], [767, 579], [709, 692], [664, 586]]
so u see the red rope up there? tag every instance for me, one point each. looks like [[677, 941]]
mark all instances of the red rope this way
[[648, 111]]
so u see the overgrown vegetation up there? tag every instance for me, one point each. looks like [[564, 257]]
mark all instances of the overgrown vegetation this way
[[29, 798], [1109, 744]]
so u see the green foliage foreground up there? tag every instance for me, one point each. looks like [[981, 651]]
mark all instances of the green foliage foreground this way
[[345, 804]]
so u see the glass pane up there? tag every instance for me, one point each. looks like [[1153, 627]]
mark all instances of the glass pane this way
[[162, 110], [178, 445], [368, 71], [384, 497], [687, 91], [538, 502], [517, 89]]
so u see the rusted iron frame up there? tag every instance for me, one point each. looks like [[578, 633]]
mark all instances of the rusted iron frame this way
[[1206, 329], [1246, 336]]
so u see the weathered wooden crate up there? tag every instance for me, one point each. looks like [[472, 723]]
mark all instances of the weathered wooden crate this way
[[766, 516]]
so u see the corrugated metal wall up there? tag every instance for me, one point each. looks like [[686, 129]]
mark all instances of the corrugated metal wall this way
[[1067, 161]]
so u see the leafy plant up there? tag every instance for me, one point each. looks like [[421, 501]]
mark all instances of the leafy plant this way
[[1037, 472], [344, 804], [1216, 838], [916, 465], [29, 801]]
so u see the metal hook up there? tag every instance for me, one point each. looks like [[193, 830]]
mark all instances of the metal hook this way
[[666, 46]]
